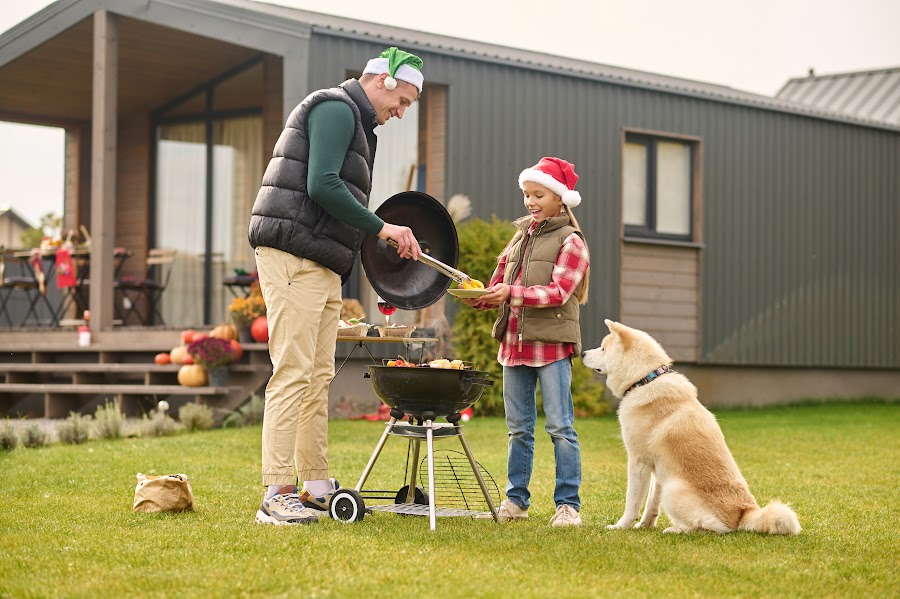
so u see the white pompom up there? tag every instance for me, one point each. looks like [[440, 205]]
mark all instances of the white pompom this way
[[162, 406], [390, 83], [571, 198]]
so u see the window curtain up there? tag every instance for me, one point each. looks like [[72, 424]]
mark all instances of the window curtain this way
[[180, 214], [181, 211]]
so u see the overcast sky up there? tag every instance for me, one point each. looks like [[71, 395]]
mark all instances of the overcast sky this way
[[753, 46]]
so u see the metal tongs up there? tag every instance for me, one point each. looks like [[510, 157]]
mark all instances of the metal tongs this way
[[446, 270]]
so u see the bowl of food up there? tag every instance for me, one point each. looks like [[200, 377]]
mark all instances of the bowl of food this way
[[396, 330], [352, 329]]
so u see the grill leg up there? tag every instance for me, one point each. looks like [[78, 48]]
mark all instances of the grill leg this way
[[377, 452], [474, 465], [429, 434], [411, 493]]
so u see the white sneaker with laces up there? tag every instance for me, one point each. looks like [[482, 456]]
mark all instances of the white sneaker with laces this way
[[510, 511], [565, 515], [284, 509]]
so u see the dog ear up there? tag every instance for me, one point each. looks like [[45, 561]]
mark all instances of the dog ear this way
[[620, 331]]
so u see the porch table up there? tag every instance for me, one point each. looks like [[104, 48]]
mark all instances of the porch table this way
[[70, 295]]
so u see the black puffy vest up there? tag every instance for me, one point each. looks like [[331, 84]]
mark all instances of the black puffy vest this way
[[284, 217]]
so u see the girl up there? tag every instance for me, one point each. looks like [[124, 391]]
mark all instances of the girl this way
[[540, 280]]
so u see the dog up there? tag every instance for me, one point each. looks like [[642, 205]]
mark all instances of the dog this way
[[677, 456]]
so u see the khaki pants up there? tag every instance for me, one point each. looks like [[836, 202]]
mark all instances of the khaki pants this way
[[303, 306]]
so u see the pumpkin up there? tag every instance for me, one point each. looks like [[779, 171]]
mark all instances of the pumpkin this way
[[259, 330], [178, 354], [187, 336], [162, 359], [224, 331], [192, 375], [237, 350]]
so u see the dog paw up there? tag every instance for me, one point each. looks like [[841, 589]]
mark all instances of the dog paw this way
[[672, 531], [643, 524]]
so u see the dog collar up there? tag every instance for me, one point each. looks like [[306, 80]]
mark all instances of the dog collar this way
[[655, 374]]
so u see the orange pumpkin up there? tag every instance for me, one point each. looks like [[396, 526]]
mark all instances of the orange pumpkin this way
[[236, 350], [162, 359], [187, 336], [259, 330], [192, 375]]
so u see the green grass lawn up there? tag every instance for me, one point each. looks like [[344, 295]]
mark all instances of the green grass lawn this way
[[67, 529]]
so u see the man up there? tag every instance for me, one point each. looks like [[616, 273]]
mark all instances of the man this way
[[307, 227]]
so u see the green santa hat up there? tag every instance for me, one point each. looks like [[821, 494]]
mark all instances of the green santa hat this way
[[398, 65]]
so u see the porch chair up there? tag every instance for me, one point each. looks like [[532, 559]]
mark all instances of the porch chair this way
[[150, 290], [10, 284]]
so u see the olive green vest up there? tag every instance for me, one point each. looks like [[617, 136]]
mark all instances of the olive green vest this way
[[537, 254]]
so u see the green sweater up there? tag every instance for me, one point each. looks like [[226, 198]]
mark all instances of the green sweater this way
[[331, 126]]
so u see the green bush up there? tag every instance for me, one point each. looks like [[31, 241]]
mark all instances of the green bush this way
[[480, 243], [196, 417], [248, 414], [34, 436], [158, 424], [108, 421], [75, 429], [9, 440]]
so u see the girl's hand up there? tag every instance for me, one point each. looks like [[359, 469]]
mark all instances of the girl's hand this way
[[499, 293], [472, 302]]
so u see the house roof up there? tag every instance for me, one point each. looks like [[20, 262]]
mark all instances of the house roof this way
[[9, 213], [275, 24], [872, 95], [441, 44]]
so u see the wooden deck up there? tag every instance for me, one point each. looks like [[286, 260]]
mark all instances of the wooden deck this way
[[46, 374]]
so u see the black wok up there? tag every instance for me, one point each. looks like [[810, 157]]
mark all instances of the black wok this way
[[416, 391]]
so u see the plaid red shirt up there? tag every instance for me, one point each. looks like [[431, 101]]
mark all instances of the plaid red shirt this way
[[568, 271]]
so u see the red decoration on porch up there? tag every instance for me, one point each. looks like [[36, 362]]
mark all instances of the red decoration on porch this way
[[259, 330], [65, 269]]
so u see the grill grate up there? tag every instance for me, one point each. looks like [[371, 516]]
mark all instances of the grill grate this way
[[455, 485]]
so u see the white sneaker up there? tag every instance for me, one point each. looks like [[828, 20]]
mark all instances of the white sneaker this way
[[284, 509], [510, 511], [565, 515]]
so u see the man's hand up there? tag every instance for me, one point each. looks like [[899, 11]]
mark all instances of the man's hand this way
[[408, 246]]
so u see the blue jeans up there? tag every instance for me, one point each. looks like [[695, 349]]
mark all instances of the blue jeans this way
[[519, 400]]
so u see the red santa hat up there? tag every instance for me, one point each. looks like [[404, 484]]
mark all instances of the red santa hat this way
[[557, 175]]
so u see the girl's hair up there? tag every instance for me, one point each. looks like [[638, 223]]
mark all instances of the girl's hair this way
[[581, 292]]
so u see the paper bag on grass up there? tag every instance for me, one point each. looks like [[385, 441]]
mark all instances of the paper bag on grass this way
[[168, 493]]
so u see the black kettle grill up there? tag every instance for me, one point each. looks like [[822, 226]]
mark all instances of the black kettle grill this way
[[419, 394]]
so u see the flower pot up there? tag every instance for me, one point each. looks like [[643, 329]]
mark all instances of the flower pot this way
[[244, 334], [218, 376]]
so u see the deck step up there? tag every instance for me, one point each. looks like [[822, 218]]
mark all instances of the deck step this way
[[115, 389], [113, 368]]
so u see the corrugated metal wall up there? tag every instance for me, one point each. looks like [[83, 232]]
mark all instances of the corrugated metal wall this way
[[800, 216]]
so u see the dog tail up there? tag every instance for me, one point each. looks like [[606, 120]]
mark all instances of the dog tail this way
[[774, 519]]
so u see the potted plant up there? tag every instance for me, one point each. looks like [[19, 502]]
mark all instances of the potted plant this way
[[213, 355], [244, 310]]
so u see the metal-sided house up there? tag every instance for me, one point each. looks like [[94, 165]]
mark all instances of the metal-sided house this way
[[754, 237]]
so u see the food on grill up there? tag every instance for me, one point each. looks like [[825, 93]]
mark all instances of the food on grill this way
[[401, 362], [449, 364], [472, 284]]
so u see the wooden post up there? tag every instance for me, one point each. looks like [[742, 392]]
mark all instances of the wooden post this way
[[103, 168]]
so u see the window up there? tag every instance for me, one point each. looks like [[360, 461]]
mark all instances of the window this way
[[657, 176]]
